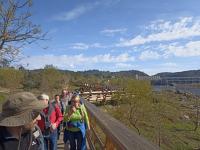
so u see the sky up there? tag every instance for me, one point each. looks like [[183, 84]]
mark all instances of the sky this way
[[112, 35]]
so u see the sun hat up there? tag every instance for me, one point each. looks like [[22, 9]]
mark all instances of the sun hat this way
[[20, 109]]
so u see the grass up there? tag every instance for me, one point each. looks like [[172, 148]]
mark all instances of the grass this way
[[167, 120], [2, 99]]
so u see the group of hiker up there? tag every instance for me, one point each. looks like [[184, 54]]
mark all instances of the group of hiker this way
[[28, 122]]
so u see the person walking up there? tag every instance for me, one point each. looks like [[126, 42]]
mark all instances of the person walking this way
[[51, 118], [18, 123], [65, 97], [77, 122], [61, 107]]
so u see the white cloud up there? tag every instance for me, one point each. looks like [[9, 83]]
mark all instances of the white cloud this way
[[124, 66], [190, 49], [84, 46], [169, 64], [162, 30], [72, 61], [111, 32], [149, 55], [177, 49], [81, 46], [83, 9], [108, 58], [75, 13]]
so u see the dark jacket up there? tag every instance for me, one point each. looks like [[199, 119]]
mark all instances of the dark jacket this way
[[32, 140]]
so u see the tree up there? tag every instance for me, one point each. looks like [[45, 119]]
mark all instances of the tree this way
[[50, 67], [52, 80], [31, 80], [137, 99], [16, 29], [11, 78]]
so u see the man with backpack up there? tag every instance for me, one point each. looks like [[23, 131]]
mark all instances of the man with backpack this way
[[51, 118], [18, 123]]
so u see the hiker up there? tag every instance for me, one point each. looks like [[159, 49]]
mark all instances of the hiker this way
[[66, 132], [65, 97], [51, 117], [59, 103], [18, 123], [77, 122], [61, 107]]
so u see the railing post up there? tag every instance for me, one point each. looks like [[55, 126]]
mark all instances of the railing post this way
[[109, 145]]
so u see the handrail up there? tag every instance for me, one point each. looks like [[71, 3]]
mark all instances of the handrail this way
[[118, 136], [100, 92]]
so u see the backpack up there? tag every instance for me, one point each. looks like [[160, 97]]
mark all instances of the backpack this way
[[27, 139], [46, 117]]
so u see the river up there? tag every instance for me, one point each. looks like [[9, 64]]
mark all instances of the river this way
[[195, 91]]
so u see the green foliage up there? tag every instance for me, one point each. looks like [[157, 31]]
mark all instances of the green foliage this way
[[160, 117], [2, 97], [136, 96], [11, 78], [52, 79], [31, 80]]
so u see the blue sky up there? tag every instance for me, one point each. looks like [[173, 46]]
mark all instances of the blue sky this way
[[147, 35]]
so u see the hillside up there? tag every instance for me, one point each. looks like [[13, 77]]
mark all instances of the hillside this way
[[189, 73], [130, 73]]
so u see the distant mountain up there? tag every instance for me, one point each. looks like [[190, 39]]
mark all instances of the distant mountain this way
[[101, 74], [130, 73], [189, 73]]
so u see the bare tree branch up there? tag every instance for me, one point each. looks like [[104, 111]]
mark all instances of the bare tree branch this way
[[16, 29]]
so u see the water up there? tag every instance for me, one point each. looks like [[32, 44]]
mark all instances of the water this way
[[163, 87], [195, 91]]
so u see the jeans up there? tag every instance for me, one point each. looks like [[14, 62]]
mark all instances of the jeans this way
[[59, 130], [66, 136], [50, 143], [73, 137]]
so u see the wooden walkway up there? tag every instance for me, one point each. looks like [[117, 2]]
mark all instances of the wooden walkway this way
[[97, 96], [60, 143], [114, 135]]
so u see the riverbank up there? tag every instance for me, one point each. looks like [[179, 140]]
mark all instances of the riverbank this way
[[195, 90]]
